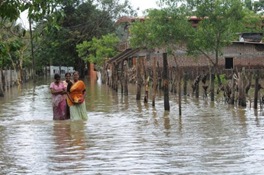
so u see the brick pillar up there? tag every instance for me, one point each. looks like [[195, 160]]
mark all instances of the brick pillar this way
[[92, 73]]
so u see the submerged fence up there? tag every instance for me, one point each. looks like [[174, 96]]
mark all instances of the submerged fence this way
[[10, 78]]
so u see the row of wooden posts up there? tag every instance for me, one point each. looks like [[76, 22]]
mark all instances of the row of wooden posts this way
[[169, 79], [10, 78]]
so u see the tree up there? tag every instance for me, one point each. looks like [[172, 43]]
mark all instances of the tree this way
[[37, 10], [98, 50], [221, 20], [252, 22], [81, 22], [10, 9], [164, 30], [258, 6], [13, 48]]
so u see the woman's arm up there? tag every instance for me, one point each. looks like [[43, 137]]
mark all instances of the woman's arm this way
[[61, 90], [54, 92], [70, 98]]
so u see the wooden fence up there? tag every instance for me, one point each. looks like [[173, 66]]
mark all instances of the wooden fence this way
[[10, 78]]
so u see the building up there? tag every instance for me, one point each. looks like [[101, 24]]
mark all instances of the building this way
[[247, 51], [59, 70]]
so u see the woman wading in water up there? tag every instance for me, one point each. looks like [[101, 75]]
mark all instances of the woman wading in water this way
[[58, 91], [76, 99]]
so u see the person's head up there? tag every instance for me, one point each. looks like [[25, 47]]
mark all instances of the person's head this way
[[68, 76], [76, 76], [57, 78]]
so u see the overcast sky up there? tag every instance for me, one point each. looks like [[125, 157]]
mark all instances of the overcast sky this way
[[143, 5]]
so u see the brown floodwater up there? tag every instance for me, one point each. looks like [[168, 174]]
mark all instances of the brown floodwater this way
[[123, 136]]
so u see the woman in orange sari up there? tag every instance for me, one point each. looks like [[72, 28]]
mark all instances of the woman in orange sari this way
[[76, 99]]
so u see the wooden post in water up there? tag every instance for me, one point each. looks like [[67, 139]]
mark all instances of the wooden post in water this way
[[212, 84], [139, 78], [115, 77], [146, 90], [180, 97], [159, 76], [125, 78], [197, 88], [154, 86], [185, 79], [146, 80], [256, 89], [241, 89], [173, 75], [195, 85], [3, 78], [122, 77], [10, 78], [166, 82], [1, 83], [232, 97]]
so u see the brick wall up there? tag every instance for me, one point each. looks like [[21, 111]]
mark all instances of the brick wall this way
[[244, 55]]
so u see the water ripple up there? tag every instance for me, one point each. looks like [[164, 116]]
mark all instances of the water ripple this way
[[124, 136]]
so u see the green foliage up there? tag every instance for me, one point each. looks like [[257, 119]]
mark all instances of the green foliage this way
[[252, 22], [98, 50], [75, 23], [258, 6], [12, 43], [10, 9], [221, 21], [162, 28], [140, 35], [249, 4], [60, 25]]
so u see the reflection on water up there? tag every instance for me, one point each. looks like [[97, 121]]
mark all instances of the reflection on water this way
[[70, 145], [125, 136]]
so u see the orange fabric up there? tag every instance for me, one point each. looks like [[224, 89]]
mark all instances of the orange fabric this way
[[76, 93]]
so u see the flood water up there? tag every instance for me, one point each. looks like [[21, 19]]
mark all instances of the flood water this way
[[124, 137]]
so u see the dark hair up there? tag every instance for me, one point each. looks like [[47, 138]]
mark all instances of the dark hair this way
[[57, 76], [69, 86], [75, 72], [68, 73]]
